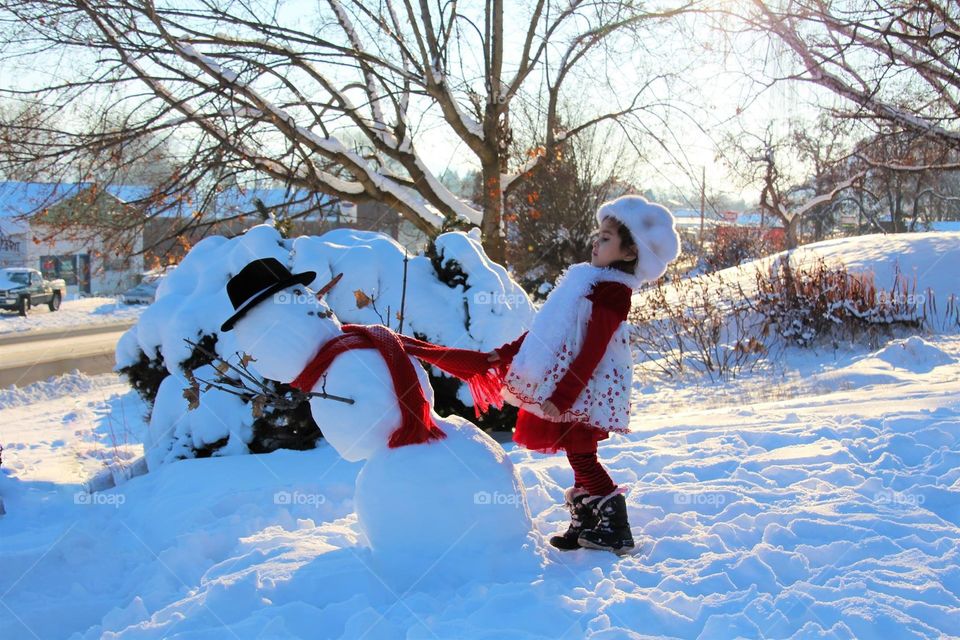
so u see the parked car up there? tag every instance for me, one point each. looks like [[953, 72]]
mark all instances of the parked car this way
[[146, 291], [22, 288]]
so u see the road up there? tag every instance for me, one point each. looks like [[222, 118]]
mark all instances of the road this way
[[31, 356]]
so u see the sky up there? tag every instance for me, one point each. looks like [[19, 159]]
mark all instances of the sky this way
[[714, 86]]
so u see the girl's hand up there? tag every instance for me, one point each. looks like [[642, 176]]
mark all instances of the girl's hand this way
[[493, 356], [550, 410]]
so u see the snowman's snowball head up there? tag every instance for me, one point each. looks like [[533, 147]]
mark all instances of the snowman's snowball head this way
[[360, 429], [285, 331]]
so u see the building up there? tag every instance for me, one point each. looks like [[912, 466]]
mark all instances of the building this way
[[765, 229], [688, 223], [39, 229]]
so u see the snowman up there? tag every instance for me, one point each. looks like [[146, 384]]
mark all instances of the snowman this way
[[432, 491]]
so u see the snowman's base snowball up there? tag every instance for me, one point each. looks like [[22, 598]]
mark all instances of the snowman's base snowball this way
[[445, 512]]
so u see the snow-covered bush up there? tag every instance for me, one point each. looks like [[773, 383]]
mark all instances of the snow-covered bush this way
[[701, 324], [806, 304], [145, 375], [452, 397], [711, 325], [732, 246], [454, 296]]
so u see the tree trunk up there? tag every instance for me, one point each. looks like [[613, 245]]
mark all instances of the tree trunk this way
[[492, 201], [496, 132], [791, 228], [896, 213]]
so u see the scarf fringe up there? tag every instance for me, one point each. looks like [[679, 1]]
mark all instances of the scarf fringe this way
[[484, 379], [418, 431], [486, 390]]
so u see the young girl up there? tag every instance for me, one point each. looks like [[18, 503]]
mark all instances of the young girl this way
[[570, 374]]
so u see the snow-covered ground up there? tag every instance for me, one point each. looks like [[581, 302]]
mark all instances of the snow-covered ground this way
[[832, 511], [928, 261], [930, 257], [816, 497], [72, 313]]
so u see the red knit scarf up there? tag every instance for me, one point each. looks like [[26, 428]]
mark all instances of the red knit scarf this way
[[417, 426]]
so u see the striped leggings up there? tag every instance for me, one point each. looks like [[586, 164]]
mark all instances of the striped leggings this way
[[589, 474]]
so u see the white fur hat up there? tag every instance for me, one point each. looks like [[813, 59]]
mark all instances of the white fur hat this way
[[652, 228]]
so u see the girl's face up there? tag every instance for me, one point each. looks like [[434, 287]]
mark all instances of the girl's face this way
[[606, 245]]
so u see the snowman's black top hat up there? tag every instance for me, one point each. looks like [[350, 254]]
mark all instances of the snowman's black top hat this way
[[258, 281]]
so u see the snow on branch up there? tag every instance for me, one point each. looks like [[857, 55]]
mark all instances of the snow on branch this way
[[333, 149], [825, 198], [815, 62], [373, 95]]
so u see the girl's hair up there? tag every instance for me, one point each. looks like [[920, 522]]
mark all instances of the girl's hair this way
[[626, 242]]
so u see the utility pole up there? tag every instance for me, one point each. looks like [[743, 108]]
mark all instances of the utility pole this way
[[703, 204]]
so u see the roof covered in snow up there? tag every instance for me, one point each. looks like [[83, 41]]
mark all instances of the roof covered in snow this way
[[690, 219], [24, 198], [687, 214], [19, 199], [945, 225], [756, 219]]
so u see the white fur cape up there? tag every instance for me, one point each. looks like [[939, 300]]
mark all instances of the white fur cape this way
[[555, 339]]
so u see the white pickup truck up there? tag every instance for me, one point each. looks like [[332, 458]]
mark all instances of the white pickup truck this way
[[22, 288]]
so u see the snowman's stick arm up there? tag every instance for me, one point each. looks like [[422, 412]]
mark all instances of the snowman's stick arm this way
[[262, 388], [226, 388], [241, 371], [269, 392], [246, 393], [330, 396], [323, 393], [215, 357]]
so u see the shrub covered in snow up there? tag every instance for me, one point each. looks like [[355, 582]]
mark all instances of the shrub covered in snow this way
[[736, 245], [454, 296], [698, 324], [719, 323], [807, 304]]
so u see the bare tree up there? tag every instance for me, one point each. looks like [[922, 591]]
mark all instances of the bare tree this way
[[823, 147], [25, 140], [894, 61], [905, 182], [257, 88], [791, 186], [551, 216]]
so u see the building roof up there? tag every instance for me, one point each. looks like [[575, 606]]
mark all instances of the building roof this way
[[18, 199], [686, 214], [23, 198], [945, 225]]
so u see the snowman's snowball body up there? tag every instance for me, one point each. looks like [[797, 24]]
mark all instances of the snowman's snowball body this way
[[454, 507], [357, 430]]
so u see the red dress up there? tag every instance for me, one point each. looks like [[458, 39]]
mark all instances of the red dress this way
[[611, 304]]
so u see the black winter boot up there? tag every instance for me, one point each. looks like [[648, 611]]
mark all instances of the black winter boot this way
[[582, 516], [612, 532]]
